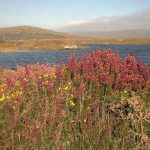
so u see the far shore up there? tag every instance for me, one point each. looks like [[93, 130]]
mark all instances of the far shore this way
[[64, 44]]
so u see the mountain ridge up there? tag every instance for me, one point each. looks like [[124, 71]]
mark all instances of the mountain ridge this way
[[30, 32]]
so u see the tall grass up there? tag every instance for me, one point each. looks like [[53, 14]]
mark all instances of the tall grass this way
[[99, 102]]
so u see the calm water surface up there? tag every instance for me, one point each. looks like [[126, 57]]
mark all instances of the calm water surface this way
[[14, 59]]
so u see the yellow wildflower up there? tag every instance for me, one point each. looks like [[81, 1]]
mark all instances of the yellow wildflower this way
[[17, 83], [84, 120], [7, 97], [2, 98], [66, 88], [45, 75], [19, 93], [12, 95], [68, 142], [72, 103], [4, 86], [125, 91]]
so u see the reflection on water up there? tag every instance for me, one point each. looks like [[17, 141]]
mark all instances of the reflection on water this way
[[14, 59]]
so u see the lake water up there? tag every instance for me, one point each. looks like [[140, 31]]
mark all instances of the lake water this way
[[14, 59]]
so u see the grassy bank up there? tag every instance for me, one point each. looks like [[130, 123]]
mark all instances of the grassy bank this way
[[54, 44], [100, 102], [60, 44]]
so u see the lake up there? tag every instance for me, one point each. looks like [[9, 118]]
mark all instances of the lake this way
[[20, 58]]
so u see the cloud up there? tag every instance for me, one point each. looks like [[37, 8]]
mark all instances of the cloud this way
[[137, 20], [78, 23]]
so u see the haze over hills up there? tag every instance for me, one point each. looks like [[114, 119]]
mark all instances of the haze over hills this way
[[133, 25], [123, 34], [30, 32]]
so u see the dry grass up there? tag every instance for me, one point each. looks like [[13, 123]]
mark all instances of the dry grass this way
[[58, 44]]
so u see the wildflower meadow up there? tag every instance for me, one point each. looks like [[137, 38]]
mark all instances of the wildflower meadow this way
[[98, 102]]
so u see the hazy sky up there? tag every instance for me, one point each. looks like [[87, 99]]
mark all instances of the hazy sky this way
[[55, 14]]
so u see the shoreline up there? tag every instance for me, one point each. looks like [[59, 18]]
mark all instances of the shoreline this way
[[60, 44]]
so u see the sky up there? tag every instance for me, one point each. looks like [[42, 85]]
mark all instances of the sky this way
[[74, 14]]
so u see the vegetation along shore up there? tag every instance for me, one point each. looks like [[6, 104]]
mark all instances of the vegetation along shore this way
[[33, 38]]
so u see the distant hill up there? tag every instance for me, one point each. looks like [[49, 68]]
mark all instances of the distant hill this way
[[125, 34], [29, 32]]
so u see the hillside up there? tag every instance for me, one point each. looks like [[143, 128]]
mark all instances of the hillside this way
[[123, 34], [33, 38], [29, 32]]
